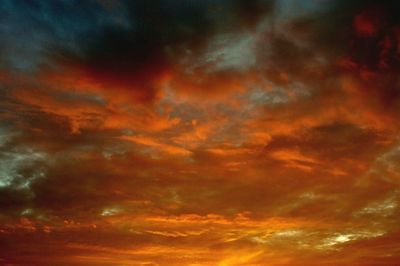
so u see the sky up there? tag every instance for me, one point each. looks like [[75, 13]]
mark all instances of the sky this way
[[200, 133]]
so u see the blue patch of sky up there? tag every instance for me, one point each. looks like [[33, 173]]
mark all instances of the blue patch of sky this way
[[29, 30]]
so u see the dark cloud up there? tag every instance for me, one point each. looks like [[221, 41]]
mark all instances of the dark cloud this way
[[159, 34]]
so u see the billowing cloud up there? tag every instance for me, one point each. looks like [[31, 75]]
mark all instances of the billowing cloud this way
[[199, 132]]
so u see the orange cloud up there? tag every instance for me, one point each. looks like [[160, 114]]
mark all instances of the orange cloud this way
[[200, 133]]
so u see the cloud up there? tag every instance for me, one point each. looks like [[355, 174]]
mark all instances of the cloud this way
[[199, 132]]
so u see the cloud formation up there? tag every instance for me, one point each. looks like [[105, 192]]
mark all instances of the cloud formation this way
[[199, 132]]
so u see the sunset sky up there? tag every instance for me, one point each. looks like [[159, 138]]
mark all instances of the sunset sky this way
[[200, 132]]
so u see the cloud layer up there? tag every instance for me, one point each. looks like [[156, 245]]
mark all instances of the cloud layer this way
[[199, 132]]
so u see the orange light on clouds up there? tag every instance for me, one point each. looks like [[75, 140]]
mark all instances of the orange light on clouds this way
[[227, 133]]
